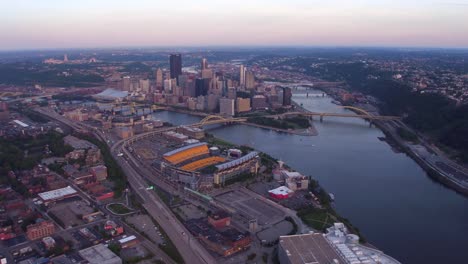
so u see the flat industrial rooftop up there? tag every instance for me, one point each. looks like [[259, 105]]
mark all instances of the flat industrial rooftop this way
[[309, 248]]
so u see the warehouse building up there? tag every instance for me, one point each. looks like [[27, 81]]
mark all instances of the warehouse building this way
[[99, 254]]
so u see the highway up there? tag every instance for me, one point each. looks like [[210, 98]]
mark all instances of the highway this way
[[150, 245], [189, 247]]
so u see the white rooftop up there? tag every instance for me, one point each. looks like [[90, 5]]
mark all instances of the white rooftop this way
[[20, 123], [57, 194], [126, 239], [348, 247], [99, 254], [291, 174], [281, 190]]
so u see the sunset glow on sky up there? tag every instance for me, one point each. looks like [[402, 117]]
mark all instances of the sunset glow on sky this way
[[27, 24]]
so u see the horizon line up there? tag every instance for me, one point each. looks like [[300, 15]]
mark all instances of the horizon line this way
[[246, 46]]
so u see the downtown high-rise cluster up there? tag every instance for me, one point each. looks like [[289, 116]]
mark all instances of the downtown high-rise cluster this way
[[209, 90]]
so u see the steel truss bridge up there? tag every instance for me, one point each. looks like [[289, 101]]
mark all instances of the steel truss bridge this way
[[360, 113], [217, 119]]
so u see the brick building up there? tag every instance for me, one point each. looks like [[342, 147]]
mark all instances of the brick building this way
[[40, 230]]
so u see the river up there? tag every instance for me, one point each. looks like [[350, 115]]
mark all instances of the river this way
[[396, 206]]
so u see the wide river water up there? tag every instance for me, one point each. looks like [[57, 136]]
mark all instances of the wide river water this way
[[397, 207]]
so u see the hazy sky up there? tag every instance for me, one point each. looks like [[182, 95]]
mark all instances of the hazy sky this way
[[112, 23]]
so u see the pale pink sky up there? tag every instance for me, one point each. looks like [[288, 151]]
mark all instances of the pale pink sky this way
[[102, 23]]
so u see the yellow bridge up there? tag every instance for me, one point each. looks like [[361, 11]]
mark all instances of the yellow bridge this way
[[216, 119], [360, 114]]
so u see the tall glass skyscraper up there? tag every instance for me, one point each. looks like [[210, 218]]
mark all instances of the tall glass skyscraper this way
[[175, 65]]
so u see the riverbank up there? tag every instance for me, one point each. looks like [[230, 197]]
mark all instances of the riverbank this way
[[318, 218], [384, 193], [431, 170], [311, 131]]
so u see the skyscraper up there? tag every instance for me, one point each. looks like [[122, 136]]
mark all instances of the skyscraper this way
[[232, 93], [175, 65], [159, 79], [249, 80], [202, 86], [242, 75], [226, 106], [126, 83], [204, 64], [144, 85], [287, 95], [207, 74], [242, 105], [167, 86]]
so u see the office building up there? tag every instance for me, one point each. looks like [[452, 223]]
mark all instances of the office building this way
[[226, 106], [159, 79], [202, 85], [242, 105], [167, 86], [177, 91], [287, 96], [249, 80], [40, 230], [242, 75], [135, 86], [207, 74], [189, 89], [259, 102], [232, 93], [173, 83], [144, 85], [183, 80], [175, 61], [212, 103], [201, 103], [99, 172], [193, 132], [192, 103], [126, 83], [204, 64]]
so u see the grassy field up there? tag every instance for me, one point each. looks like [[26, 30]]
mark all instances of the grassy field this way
[[218, 142], [119, 209], [317, 219]]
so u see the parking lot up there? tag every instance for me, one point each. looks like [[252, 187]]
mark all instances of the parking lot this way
[[250, 207], [189, 211], [275, 231], [154, 147]]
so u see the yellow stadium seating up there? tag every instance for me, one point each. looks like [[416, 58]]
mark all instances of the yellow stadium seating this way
[[188, 154], [202, 163]]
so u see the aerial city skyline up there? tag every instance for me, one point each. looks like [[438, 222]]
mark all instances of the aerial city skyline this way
[[31, 24], [232, 132]]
